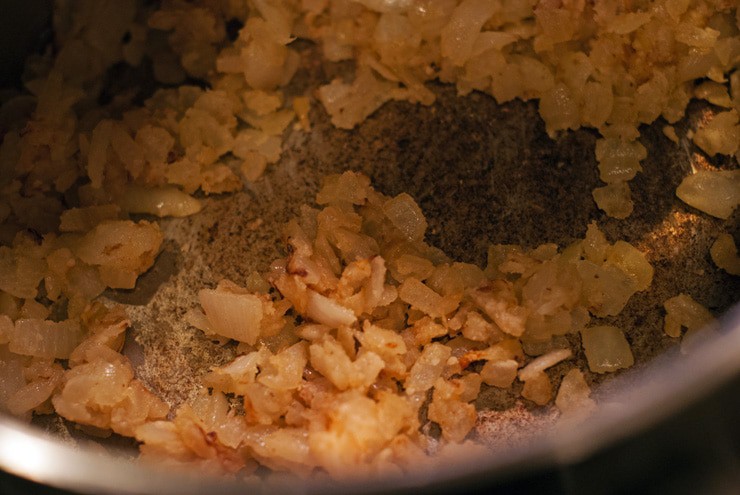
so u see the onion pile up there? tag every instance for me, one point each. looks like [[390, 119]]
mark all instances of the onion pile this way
[[369, 322]]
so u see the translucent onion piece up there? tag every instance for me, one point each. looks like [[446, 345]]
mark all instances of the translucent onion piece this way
[[328, 312], [499, 373], [406, 216], [543, 362], [632, 262], [683, 311], [36, 392], [573, 397], [720, 135], [165, 201], [724, 254], [615, 199], [84, 219], [217, 416], [11, 375], [284, 371], [538, 388], [46, 339], [232, 314], [20, 275], [421, 297], [122, 249], [459, 35], [606, 349], [331, 360], [714, 192], [350, 187], [427, 368], [6, 328]]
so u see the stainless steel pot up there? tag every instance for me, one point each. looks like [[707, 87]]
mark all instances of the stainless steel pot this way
[[482, 173]]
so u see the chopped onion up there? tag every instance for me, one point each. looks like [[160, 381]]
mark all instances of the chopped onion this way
[[543, 362], [46, 339], [329, 358], [714, 192], [573, 397], [232, 313], [374, 290], [349, 187], [217, 416], [449, 409], [234, 376], [406, 216], [720, 135], [538, 388], [498, 301], [84, 219], [6, 328], [20, 275], [421, 297], [724, 254], [127, 150], [35, 393], [287, 447], [615, 199], [632, 262], [427, 368], [500, 373], [683, 311], [606, 349], [458, 37], [504, 350], [11, 375], [165, 201], [122, 249], [327, 311], [284, 371], [350, 104], [606, 288], [97, 155]]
